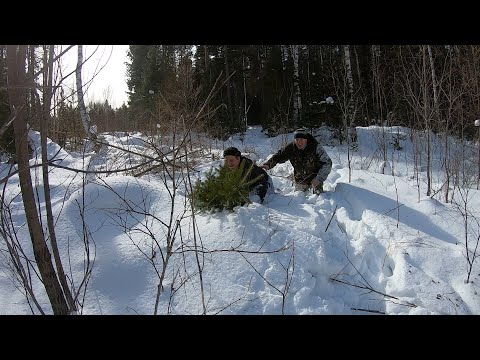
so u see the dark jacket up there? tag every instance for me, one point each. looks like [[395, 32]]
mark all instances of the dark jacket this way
[[259, 187], [313, 161]]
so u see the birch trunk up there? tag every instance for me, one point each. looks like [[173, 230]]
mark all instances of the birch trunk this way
[[89, 132], [227, 74], [297, 99], [434, 80], [376, 83], [348, 119], [427, 122], [245, 110], [349, 75]]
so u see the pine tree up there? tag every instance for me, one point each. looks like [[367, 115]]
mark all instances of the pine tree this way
[[222, 189]]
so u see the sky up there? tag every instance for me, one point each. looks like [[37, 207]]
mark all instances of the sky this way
[[369, 246], [108, 63]]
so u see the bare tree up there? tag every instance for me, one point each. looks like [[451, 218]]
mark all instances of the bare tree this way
[[378, 92], [90, 131], [349, 104], [417, 86], [48, 90], [17, 86], [49, 272], [17, 264], [471, 226]]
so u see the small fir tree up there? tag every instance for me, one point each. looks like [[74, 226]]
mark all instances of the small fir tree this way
[[223, 188]]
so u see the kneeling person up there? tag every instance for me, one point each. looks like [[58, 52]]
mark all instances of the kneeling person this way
[[311, 163], [261, 187]]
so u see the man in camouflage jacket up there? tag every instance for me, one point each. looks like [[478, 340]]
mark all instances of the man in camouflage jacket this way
[[311, 164], [262, 187]]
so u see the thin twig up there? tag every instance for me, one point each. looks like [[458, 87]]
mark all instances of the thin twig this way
[[9, 121], [334, 211], [366, 310], [375, 291]]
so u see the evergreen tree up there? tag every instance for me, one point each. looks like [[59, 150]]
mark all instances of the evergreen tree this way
[[222, 189], [103, 115], [151, 69]]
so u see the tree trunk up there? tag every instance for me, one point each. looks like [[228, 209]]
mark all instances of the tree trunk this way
[[434, 80], [350, 105], [16, 57], [297, 98], [229, 95], [245, 110], [32, 94], [44, 121], [348, 71], [427, 123], [89, 132], [376, 82], [209, 78]]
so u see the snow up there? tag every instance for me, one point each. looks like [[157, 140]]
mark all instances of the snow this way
[[372, 245]]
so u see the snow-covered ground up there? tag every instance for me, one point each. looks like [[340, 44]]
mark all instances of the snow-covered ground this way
[[367, 246]]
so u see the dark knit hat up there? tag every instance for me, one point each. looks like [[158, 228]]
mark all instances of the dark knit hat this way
[[231, 151], [300, 133]]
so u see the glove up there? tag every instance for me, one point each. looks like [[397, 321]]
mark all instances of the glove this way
[[315, 182]]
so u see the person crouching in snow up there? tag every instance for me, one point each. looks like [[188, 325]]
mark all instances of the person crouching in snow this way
[[311, 163], [260, 188]]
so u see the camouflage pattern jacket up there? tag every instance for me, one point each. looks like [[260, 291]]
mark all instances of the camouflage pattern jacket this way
[[313, 161]]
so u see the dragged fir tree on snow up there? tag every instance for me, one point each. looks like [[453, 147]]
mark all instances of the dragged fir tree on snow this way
[[223, 188]]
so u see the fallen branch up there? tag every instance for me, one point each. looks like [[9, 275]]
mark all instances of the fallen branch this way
[[375, 291], [366, 310]]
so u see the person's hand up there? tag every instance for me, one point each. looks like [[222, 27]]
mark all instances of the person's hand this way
[[255, 199], [315, 182], [264, 166]]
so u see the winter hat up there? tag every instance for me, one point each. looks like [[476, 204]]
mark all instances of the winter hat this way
[[231, 151], [300, 133]]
